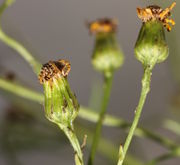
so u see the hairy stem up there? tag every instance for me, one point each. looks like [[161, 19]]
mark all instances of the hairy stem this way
[[75, 144], [106, 95], [145, 89], [106, 147]]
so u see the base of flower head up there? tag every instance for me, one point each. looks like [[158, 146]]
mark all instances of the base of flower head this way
[[61, 105], [107, 55], [151, 46]]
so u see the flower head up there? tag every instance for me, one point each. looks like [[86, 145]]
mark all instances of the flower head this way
[[61, 106], [107, 55], [151, 46]]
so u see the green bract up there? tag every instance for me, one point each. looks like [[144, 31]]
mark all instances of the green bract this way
[[107, 55], [61, 106], [151, 47]]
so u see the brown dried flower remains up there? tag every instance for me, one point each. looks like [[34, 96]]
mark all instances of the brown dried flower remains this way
[[157, 13], [54, 69], [104, 25]]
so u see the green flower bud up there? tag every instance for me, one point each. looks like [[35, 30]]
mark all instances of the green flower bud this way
[[61, 106], [107, 55], [151, 46]]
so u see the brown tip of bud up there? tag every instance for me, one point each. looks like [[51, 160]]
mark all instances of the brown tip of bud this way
[[154, 12], [54, 69], [104, 25]]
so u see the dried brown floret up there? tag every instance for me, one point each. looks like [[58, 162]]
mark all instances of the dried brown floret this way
[[104, 25], [157, 13], [54, 69]]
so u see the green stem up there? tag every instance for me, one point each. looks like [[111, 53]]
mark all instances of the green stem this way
[[106, 147], [112, 121], [89, 115], [16, 45], [75, 144], [145, 89], [106, 95], [21, 91]]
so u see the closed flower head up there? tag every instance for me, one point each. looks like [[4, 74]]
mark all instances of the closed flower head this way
[[61, 105], [151, 46], [107, 55]]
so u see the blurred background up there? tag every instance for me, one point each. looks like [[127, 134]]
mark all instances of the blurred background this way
[[56, 29]]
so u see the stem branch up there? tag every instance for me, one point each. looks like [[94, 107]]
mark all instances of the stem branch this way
[[75, 144], [145, 89], [21, 91], [106, 95]]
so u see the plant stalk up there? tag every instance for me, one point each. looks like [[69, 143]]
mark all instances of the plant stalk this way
[[106, 95], [69, 132], [21, 91], [145, 89]]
